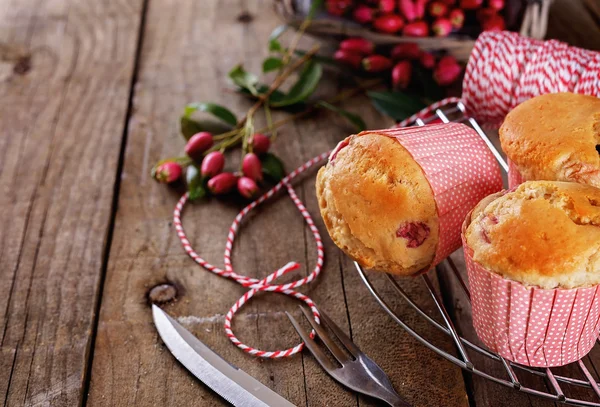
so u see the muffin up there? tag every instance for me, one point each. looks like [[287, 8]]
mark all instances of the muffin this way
[[554, 137], [533, 260], [394, 199]]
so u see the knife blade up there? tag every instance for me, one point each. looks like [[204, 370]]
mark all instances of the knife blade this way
[[233, 384]]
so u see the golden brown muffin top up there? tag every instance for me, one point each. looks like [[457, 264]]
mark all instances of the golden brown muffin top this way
[[378, 206], [544, 233], [555, 137]]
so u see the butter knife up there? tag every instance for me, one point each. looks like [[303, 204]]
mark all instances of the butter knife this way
[[233, 384]]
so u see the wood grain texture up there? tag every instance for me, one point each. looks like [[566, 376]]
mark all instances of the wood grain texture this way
[[65, 76], [131, 366], [576, 22]]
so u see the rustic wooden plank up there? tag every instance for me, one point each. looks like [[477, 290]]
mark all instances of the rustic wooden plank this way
[[420, 375], [65, 75], [130, 366], [576, 22]]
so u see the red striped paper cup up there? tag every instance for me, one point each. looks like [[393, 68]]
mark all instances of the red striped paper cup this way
[[530, 325], [460, 169]]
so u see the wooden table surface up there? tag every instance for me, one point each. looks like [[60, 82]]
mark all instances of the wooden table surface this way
[[90, 92]]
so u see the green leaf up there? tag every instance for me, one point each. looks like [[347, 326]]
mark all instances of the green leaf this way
[[218, 111], [189, 127], [275, 97], [244, 79], [274, 44], [272, 167], [355, 119], [319, 58], [304, 86], [396, 105], [314, 7], [195, 183], [430, 87], [272, 64]]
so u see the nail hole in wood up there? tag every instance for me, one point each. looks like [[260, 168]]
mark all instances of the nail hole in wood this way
[[162, 293], [245, 17], [22, 65]]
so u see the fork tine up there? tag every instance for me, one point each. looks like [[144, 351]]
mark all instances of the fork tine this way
[[324, 336], [312, 346], [342, 337]]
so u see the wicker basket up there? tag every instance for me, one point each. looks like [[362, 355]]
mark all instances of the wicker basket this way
[[528, 17]]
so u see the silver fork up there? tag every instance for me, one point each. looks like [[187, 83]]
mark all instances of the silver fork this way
[[357, 371]]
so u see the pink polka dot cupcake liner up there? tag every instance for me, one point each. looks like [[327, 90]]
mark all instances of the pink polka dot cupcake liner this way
[[529, 325], [514, 176], [460, 169]]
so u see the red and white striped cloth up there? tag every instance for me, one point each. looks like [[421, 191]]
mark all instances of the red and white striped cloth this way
[[504, 70]]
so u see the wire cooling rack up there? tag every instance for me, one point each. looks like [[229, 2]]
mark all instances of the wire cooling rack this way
[[511, 374]]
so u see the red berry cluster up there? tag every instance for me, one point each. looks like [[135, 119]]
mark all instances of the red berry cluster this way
[[419, 18], [213, 163], [359, 52]]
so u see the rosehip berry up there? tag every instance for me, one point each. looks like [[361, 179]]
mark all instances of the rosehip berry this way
[[470, 4], [442, 27], [494, 23], [406, 50], [438, 9], [447, 71], [401, 74], [338, 7], [389, 24], [485, 14], [448, 60], [420, 8], [408, 9], [449, 2], [457, 18], [168, 172], [251, 167], [416, 29], [222, 183], [198, 144], [496, 4], [348, 58], [376, 63], [427, 60], [358, 46], [415, 232], [387, 6], [212, 164], [363, 14], [260, 143], [247, 187]]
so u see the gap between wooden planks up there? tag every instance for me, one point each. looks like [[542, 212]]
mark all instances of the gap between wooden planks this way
[[187, 50], [65, 74]]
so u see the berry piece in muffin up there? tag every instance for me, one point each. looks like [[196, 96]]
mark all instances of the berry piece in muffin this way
[[378, 205]]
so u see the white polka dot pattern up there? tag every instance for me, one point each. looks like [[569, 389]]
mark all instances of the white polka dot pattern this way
[[514, 176], [529, 325], [460, 169]]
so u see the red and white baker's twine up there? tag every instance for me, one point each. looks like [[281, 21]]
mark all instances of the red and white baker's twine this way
[[265, 284], [504, 70]]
